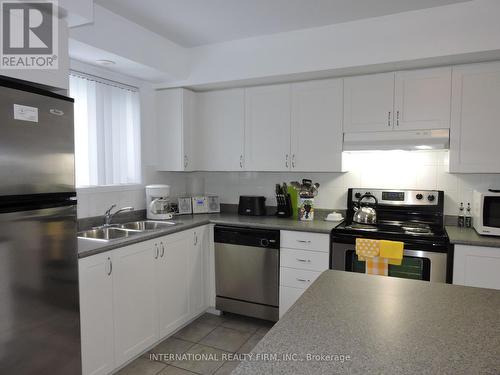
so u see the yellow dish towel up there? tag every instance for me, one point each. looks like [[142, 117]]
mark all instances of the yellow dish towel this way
[[366, 248], [392, 250], [377, 266]]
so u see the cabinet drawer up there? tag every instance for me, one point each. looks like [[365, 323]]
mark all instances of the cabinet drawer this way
[[297, 278], [288, 296], [305, 241], [304, 259]]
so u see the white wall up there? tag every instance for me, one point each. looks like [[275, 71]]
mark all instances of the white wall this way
[[374, 169], [94, 201], [431, 35]]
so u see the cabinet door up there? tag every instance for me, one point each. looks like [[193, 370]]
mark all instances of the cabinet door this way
[[267, 128], [96, 314], [317, 126], [196, 272], [188, 122], [169, 130], [475, 111], [134, 300], [369, 103], [220, 130], [422, 99], [476, 266], [174, 119], [172, 281]]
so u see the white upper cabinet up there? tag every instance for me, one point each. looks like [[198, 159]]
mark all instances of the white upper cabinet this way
[[368, 103], [407, 100], [174, 118], [317, 126], [422, 99], [267, 128], [134, 300], [475, 114], [219, 134]]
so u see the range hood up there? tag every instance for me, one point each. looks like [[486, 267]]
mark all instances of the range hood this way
[[438, 139]]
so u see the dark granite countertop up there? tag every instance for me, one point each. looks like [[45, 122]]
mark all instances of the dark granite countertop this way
[[385, 325], [89, 247], [468, 236]]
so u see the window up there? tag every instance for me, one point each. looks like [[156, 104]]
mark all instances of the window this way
[[107, 131]]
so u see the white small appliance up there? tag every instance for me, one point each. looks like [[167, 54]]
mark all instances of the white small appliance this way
[[184, 206], [486, 212], [213, 203], [158, 204], [200, 204]]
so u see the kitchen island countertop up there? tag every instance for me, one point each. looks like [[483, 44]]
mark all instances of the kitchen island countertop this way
[[384, 325]]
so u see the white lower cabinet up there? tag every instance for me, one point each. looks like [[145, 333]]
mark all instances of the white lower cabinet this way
[[476, 266], [173, 282], [198, 267], [288, 296], [134, 296], [135, 308], [303, 257], [96, 310]]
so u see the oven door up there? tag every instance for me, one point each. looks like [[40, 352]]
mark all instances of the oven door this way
[[416, 264]]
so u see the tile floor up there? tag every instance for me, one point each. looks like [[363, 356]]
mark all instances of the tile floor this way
[[210, 335]]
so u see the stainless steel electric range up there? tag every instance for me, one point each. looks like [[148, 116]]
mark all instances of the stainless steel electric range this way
[[413, 217]]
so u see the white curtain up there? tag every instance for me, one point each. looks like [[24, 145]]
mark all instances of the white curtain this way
[[107, 132]]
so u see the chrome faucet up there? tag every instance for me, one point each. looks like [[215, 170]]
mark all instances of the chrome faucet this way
[[108, 216]]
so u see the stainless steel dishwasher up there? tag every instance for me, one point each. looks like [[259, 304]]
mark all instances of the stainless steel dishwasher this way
[[247, 271]]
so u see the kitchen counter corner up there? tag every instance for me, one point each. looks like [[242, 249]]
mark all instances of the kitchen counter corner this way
[[468, 236]]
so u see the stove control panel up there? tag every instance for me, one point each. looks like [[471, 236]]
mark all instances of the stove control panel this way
[[399, 197]]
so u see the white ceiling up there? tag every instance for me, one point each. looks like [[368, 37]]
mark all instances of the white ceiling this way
[[198, 22]]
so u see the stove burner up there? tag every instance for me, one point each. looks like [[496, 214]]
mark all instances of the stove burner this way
[[362, 227]]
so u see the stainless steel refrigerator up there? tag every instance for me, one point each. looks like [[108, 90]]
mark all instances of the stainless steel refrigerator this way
[[39, 311]]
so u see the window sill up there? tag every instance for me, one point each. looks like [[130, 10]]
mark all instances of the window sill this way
[[108, 188]]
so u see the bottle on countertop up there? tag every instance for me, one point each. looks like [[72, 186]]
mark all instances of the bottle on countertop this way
[[468, 217], [461, 218]]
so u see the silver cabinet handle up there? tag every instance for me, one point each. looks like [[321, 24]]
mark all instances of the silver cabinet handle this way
[[389, 119], [195, 239], [157, 251], [110, 266], [286, 160], [162, 253], [293, 161], [397, 118], [241, 161], [185, 161], [303, 260], [304, 241], [303, 280]]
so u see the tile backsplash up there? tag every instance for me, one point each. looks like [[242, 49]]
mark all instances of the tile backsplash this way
[[367, 169], [370, 169]]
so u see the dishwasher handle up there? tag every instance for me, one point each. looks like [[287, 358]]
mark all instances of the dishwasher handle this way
[[247, 236]]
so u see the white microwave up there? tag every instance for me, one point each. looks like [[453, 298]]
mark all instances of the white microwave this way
[[486, 212]]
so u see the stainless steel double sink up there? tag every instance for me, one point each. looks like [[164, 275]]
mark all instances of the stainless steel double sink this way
[[119, 231]]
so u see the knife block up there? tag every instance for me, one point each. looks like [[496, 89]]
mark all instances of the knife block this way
[[284, 208]]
